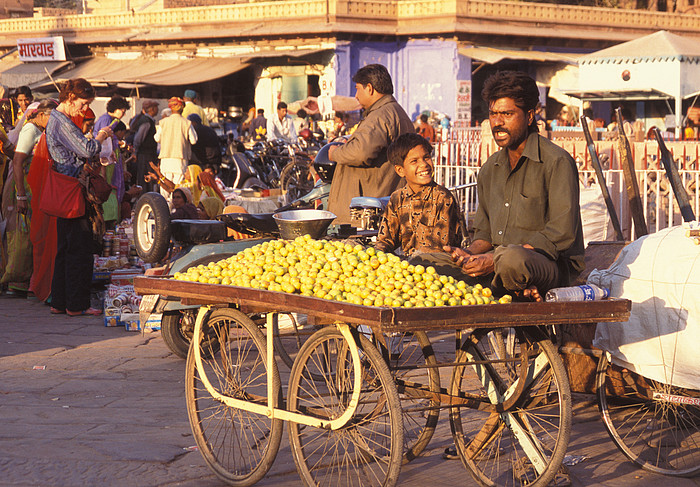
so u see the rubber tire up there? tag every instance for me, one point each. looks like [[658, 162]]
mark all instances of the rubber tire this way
[[214, 425], [643, 414], [172, 334], [152, 248]]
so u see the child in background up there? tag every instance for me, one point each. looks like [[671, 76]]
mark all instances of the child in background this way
[[423, 216]]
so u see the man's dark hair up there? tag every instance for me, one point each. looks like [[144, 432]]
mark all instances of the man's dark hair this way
[[24, 90], [261, 111], [281, 105], [119, 126], [116, 103], [512, 84], [301, 113], [424, 118], [377, 76], [405, 143]]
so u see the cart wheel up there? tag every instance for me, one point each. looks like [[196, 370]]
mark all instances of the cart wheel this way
[[515, 424], [151, 227], [238, 445], [289, 338], [365, 452], [408, 354], [177, 330], [655, 425]]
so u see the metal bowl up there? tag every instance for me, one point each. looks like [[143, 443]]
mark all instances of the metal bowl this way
[[295, 223]]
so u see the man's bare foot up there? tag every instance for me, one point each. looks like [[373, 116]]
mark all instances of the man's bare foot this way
[[529, 294]]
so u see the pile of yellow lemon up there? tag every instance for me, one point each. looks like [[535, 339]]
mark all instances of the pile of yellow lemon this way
[[339, 271]]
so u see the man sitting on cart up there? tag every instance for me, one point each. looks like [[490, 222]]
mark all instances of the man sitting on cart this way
[[423, 216], [528, 236]]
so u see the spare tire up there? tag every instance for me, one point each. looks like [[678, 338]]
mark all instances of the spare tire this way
[[152, 227]]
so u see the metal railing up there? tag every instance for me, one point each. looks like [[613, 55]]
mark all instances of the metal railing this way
[[457, 165]]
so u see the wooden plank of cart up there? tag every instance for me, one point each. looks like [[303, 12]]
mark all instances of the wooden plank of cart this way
[[349, 399]]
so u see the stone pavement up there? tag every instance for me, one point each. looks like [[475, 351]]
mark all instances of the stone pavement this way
[[85, 405]]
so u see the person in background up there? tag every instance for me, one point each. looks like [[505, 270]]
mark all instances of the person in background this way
[[339, 127], [258, 127], [425, 129], [209, 208], [201, 184], [143, 126], [117, 107], [23, 97], [528, 236], [176, 138], [281, 127], [183, 209], [363, 168], [17, 197], [563, 119], [111, 207], [219, 183], [207, 149], [72, 276], [245, 125], [301, 122], [689, 130], [191, 107]]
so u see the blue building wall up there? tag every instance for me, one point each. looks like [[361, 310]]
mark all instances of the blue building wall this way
[[424, 72]]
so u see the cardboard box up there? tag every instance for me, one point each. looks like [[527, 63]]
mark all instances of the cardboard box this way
[[153, 322], [131, 321], [113, 321]]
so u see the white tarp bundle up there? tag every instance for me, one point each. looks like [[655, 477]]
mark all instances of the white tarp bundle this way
[[660, 274]]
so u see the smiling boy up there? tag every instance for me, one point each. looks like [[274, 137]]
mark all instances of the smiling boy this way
[[423, 216]]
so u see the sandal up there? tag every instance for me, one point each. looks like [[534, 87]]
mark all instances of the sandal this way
[[56, 311], [85, 312]]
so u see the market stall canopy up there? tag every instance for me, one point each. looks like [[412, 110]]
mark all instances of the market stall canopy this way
[[661, 62], [661, 65], [30, 73], [324, 105], [154, 71], [491, 55]]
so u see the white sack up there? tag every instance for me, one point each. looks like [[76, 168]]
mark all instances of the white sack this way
[[660, 274]]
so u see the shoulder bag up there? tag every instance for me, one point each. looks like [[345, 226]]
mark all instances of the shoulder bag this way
[[62, 195]]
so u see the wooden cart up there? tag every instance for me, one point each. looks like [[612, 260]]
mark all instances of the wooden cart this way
[[357, 406]]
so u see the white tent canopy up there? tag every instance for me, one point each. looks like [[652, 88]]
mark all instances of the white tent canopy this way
[[658, 66]]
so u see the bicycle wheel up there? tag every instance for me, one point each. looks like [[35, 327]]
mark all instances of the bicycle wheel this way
[[413, 365], [238, 445], [367, 450], [289, 336], [655, 425], [296, 180], [514, 426]]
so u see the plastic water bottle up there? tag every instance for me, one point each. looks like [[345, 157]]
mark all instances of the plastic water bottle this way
[[586, 292]]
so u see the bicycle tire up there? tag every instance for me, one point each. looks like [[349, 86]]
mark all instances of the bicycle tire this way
[[239, 446], [653, 424], [368, 450], [504, 437]]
